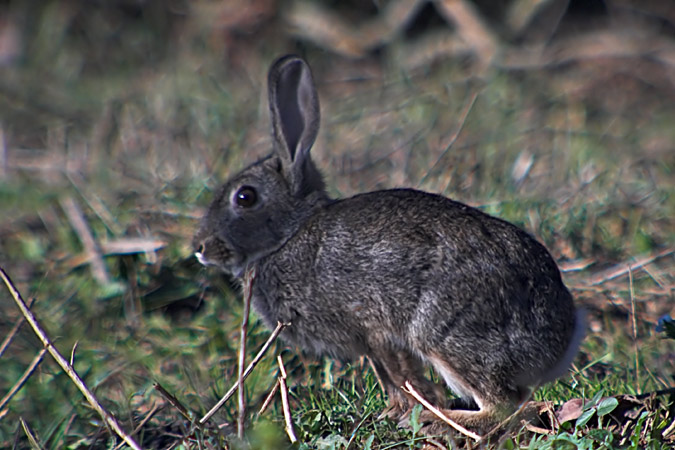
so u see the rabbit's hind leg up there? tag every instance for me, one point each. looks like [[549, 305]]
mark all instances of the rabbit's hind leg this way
[[477, 408], [476, 421], [394, 368]]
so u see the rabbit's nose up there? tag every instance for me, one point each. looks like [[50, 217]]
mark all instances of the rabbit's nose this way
[[199, 254]]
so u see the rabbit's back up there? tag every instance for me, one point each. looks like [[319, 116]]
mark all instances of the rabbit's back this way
[[422, 272]]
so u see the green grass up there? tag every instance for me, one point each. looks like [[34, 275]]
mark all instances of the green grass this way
[[139, 125]]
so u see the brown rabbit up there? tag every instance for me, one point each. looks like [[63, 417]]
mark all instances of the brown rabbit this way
[[406, 277]]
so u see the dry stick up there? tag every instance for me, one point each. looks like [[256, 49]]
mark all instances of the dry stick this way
[[284, 401], [147, 418], [70, 371], [377, 375], [79, 224], [173, 401], [15, 329], [3, 154], [241, 419], [622, 269], [634, 323], [411, 390], [269, 398], [21, 381], [247, 372]]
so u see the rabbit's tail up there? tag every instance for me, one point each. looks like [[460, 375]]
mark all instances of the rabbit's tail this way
[[563, 364]]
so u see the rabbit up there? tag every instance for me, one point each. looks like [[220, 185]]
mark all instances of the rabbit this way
[[409, 279]]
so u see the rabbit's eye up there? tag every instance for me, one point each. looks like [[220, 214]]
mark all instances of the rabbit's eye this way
[[246, 197]]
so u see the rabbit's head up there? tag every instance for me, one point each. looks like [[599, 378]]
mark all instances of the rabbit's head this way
[[257, 210]]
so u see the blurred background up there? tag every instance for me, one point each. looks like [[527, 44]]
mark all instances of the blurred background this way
[[119, 118]]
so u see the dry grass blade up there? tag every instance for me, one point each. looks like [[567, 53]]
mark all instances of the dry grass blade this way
[[377, 375], [70, 371], [148, 417], [280, 326], [128, 246], [79, 224], [15, 329], [34, 443], [21, 381], [411, 390], [284, 401]]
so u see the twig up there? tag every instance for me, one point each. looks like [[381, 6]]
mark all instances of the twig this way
[[247, 372], [147, 418], [411, 390], [3, 154], [70, 371], [624, 268], [377, 375], [284, 401], [249, 277], [15, 329], [173, 401], [269, 398], [352, 435], [79, 224], [634, 324], [21, 381]]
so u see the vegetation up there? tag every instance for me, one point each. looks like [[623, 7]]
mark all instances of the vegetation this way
[[118, 120]]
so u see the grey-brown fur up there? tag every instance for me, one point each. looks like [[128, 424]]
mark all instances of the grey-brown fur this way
[[408, 278]]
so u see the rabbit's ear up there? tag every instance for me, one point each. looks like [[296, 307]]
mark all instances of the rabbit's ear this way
[[294, 106]]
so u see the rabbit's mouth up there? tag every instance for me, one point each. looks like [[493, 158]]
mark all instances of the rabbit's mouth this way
[[214, 252], [201, 258]]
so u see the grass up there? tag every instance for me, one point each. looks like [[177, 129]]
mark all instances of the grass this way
[[139, 125]]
